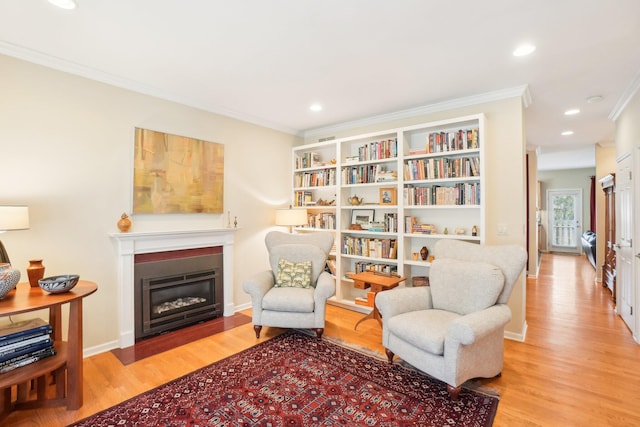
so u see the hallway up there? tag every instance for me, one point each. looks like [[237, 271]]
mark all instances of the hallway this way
[[579, 365]]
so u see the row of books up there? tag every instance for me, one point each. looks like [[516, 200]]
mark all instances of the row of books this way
[[322, 220], [442, 168], [315, 179], [362, 266], [365, 174], [378, 150], [438, 142], [307, 160], [413, 225], [24, 342], [372, 248], [459, 194]]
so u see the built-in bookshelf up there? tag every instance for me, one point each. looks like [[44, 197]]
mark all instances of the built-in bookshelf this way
[[386, 195]]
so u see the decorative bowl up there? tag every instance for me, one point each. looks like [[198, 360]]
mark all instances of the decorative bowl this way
[[59, 284], [9, 278]]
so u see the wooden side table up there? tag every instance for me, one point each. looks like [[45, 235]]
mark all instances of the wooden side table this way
[[377, 283], [65, 366]]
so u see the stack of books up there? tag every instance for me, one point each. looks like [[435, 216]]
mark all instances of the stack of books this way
[[25, 342]]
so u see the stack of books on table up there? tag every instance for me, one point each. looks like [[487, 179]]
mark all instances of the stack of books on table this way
[[24, 342]]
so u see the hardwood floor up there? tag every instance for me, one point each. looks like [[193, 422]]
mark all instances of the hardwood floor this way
[[579, 365]]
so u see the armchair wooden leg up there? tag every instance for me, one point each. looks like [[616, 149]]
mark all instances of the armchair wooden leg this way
[[257, 329], [319, 332], [389, 354], [454, 392]]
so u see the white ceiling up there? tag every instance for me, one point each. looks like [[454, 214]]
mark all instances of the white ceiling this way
[[267, 61]]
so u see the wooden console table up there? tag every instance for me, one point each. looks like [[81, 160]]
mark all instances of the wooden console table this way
[[68, 360], [377, 283]]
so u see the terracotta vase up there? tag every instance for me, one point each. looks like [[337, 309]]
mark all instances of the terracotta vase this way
[[35, 272], [124, 224]]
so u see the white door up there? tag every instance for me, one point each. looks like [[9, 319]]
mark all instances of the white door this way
[[624, 242], [565, 216]]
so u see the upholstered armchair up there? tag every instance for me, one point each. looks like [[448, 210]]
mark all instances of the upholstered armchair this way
[[453, 329], [294, 293]]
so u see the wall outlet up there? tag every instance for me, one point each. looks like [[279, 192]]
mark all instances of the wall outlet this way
[[502, 229]]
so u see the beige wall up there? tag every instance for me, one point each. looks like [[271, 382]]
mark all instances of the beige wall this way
[[505, 178], [628, 141], [605, 164], [67, 153], [534, 203]]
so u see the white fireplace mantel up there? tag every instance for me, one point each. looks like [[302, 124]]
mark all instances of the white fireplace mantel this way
[[130, 244]]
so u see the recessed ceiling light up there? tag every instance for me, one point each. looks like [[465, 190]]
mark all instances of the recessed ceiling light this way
[[524, 50], [64, 4], [315, 107], [572, 112], [567, 133], [594, 98]]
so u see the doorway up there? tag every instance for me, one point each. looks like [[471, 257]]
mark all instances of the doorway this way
[[565, 219]]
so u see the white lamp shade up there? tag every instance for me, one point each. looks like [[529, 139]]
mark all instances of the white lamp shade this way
[[14, 218], [291, 217]]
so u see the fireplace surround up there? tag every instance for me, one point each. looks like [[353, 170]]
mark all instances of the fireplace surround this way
[[132, 243]]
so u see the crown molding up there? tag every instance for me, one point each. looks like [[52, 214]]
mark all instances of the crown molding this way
[[518, 91], [624, 100], [63, 65]]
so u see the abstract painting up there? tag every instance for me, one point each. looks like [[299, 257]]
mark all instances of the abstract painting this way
[[176, 174]]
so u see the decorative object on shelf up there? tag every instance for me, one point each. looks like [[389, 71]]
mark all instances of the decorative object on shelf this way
[[446, 230], [415, 256], [322, 202], [460, 231], [228, 219], [35, 272], [9, 278], [362, 217], [12, 218], [124, 223], [235, 222], [474, 231], [355, 201], [388, 196], [59, 284], [290, 217], [355, 227], [424, 252]]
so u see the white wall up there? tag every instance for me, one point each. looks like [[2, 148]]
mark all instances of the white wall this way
[[67, 153], [627, 141]]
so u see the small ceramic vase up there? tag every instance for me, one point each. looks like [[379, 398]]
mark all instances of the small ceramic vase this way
[[35, 272], [124, 224], [424, 252]]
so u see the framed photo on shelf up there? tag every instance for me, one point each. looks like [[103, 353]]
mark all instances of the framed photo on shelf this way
[[362, 217], [388, 196]]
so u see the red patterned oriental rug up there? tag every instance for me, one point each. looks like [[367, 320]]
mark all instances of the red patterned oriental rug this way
[[295, 379]]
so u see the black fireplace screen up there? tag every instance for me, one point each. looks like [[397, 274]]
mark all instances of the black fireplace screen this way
[[177, 292]]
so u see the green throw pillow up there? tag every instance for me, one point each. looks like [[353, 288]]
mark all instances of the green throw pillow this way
[[293, 274]]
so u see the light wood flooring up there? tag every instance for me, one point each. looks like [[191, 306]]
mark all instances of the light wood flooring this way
[[579, 365]]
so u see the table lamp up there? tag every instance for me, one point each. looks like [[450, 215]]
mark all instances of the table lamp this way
[[12, 218], [291, 217]]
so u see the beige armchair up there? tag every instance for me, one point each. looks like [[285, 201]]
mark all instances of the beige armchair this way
[[453, 329], [294, 293]]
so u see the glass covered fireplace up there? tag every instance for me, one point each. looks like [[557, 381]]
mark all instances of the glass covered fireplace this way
[[177, 288]]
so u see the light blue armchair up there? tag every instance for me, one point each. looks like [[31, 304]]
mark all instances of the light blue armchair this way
[[453, 329], [294, 293]]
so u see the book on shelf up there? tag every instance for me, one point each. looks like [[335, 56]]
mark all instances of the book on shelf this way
[[6, 349], [27, 350], [26, 359], [25, 329]]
